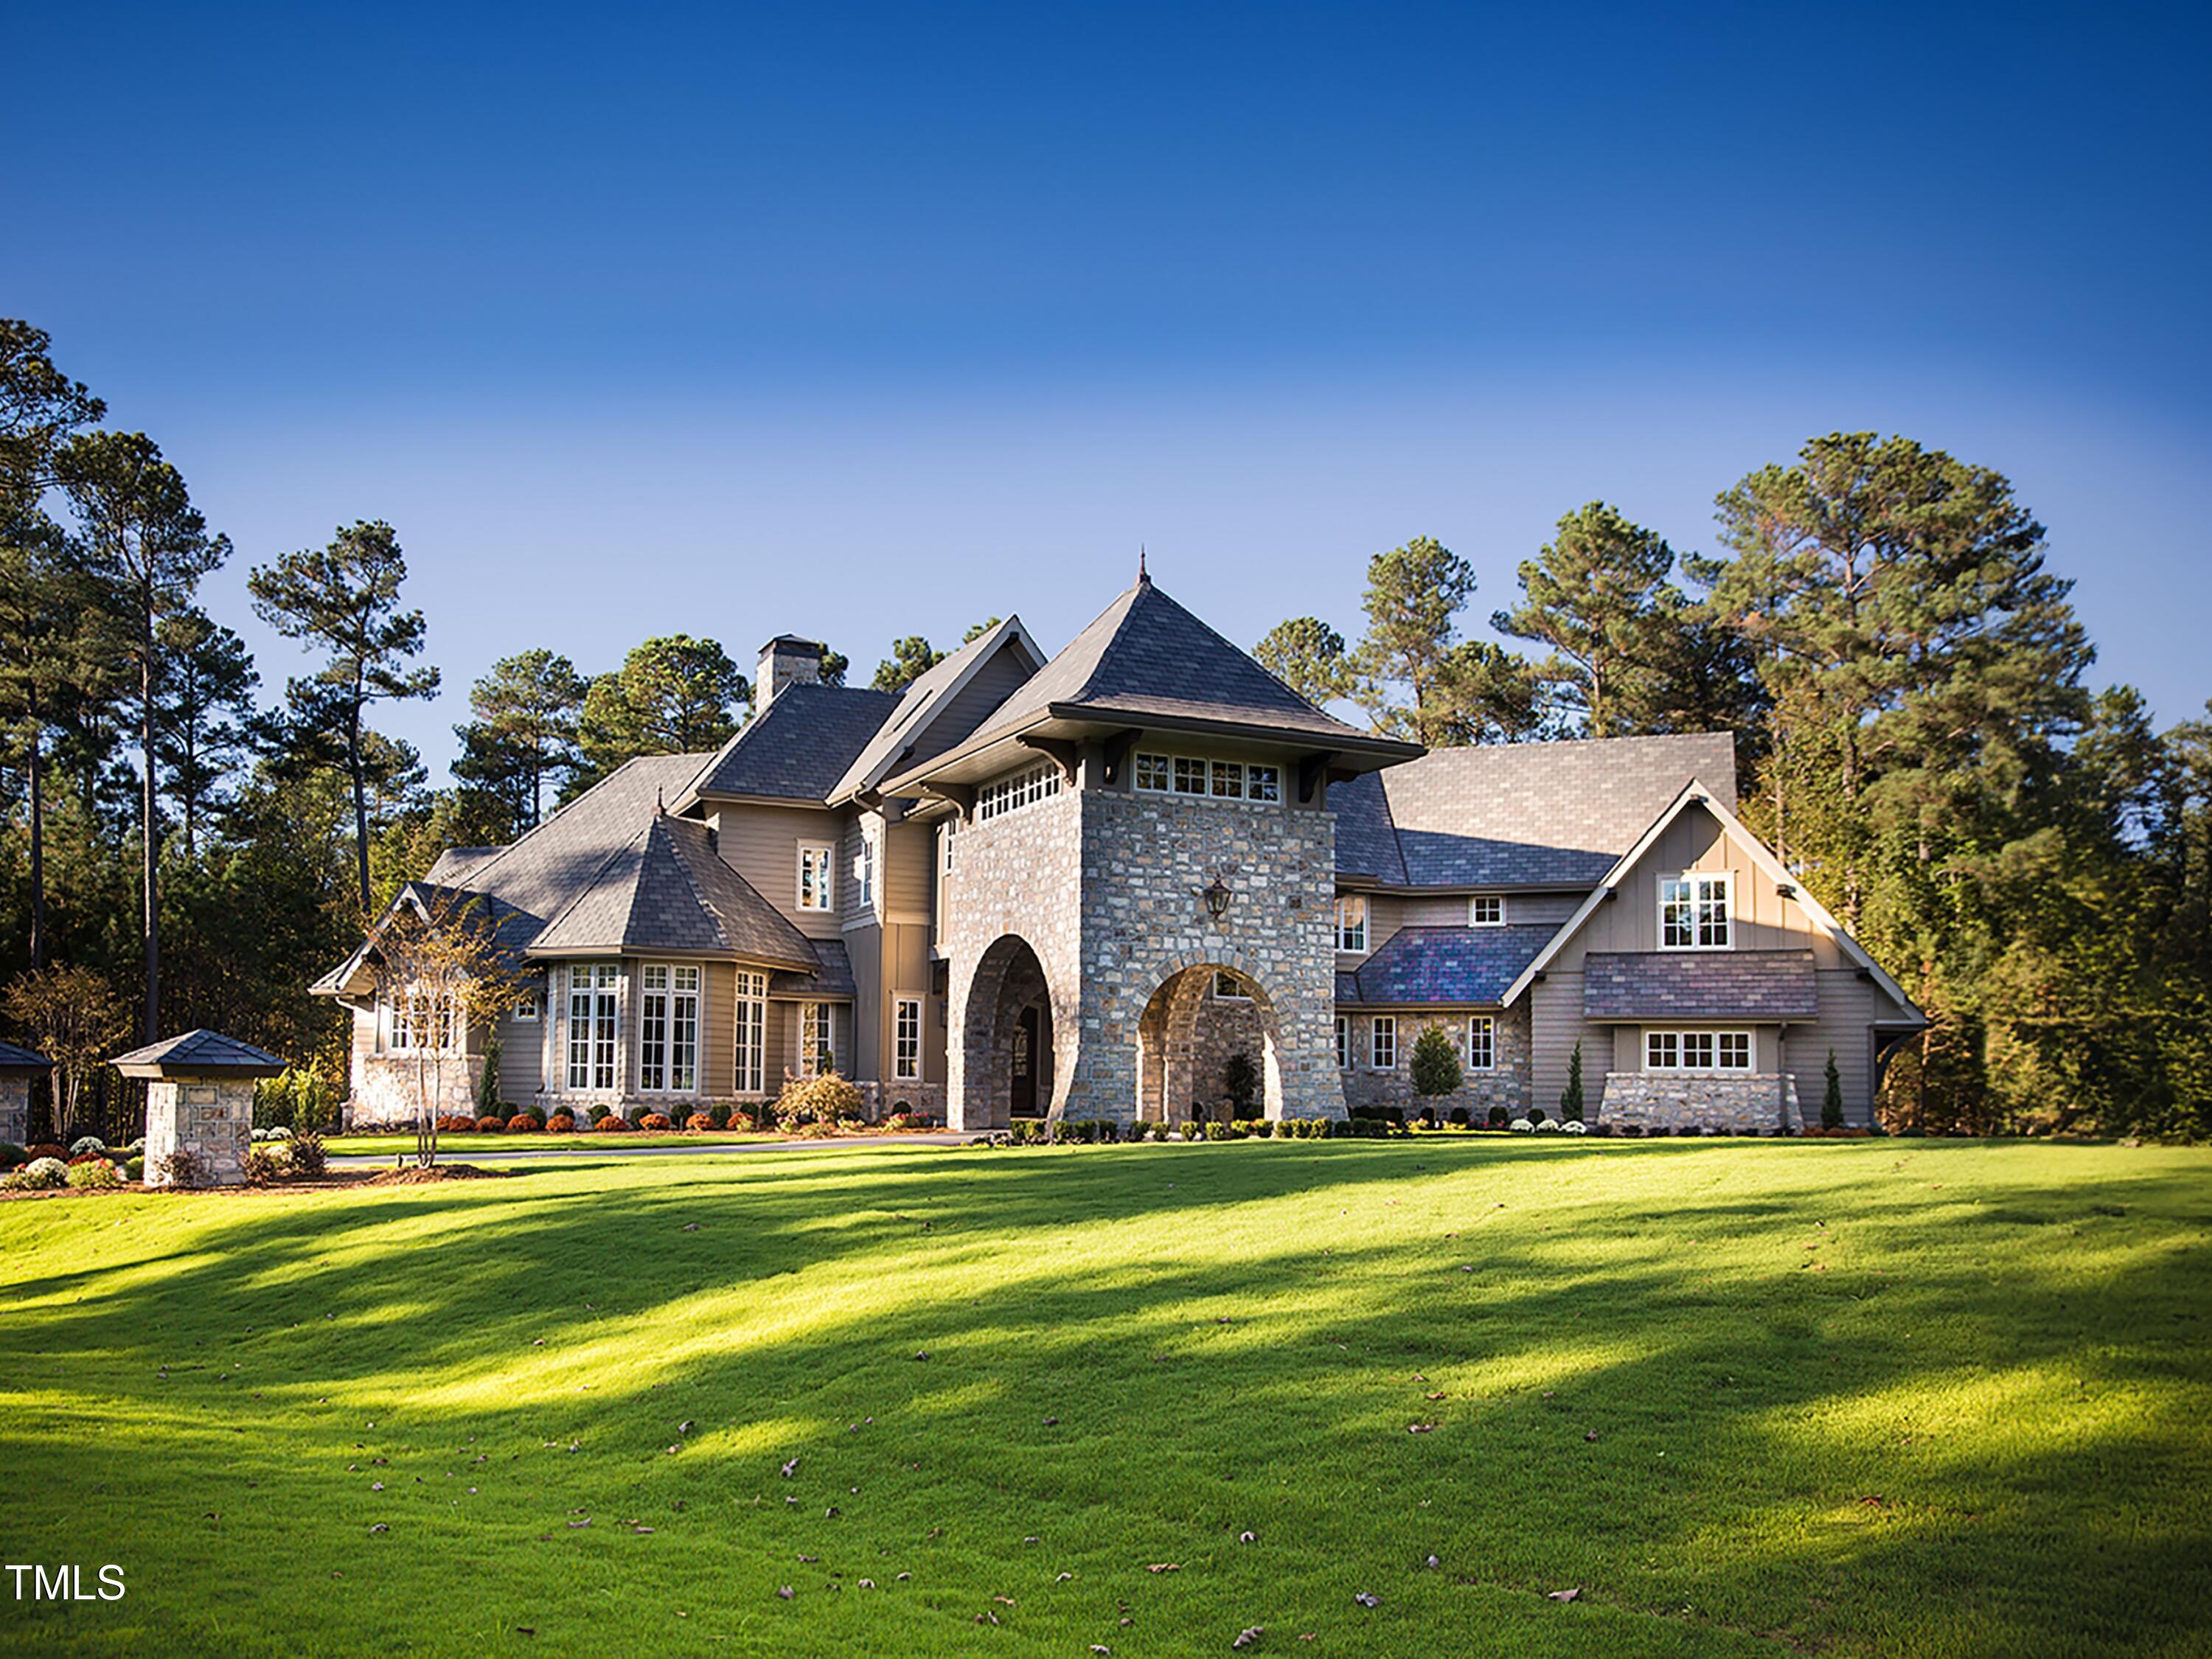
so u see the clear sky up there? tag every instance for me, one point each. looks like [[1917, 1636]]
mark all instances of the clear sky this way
[[861, 321]]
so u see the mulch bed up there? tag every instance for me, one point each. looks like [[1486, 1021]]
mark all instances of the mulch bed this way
[[416, 1175]]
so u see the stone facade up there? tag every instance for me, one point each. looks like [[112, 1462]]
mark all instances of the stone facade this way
[[386, 1090], [211, 1119], [1505, 1086], [1760, 1104], [15, 1107]]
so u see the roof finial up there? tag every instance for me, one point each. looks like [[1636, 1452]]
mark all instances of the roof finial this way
[[661, 802], [1143, 581]]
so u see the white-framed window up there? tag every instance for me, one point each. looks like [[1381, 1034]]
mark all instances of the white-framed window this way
[[1382, 1042], [906, 1039], [1263, 783], [1228, 780], [1697, 1051], [1481, 1043], [952, 827], [1694, 911], [1343, 1041], [751, 1044], [525, 1013], [594, 1022], [818, 1038], [1024, 788], [863, 870], [1352, 922], [421, 1021], [1153, 774], [1485, 910], [1230, 988], [1189, 776], [668, 1029], [816, 887], [1209, 779]]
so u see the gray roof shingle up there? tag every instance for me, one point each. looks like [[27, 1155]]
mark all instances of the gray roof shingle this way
[[798, 746], [201, 1050], [1756, 985], [668, 889], [13, 1059], [1442, 967], [831, 978], [1523, 814]]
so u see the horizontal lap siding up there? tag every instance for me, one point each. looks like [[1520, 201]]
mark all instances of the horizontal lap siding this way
[[1556, 1024], [1848, 1006], [762, 844], [522, 1060]]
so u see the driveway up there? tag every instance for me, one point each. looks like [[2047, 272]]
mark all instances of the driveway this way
[[456, 1151]]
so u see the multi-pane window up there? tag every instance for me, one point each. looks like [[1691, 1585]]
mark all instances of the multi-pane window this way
[[1485, 910], [1215, 780], [1382, 1042], [864, 870], [1343, 1040], [1023, 788], [1693, 912], [752, 1031], [1481, 1043], [593, 1023], [525, 1012], [668, 1029], [420, 1020], [952, 827], [818, 1038], [1697, 1051], [815, 890], [1352, 922], [906, 1039]]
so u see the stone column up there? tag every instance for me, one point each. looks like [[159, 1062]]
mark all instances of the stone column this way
[[211, 1118], [15, 1107]]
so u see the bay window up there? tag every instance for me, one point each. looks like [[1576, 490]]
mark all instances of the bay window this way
[[668, 1030], [594, 1019], [751, 1048]]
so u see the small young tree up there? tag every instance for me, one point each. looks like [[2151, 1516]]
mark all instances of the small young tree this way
[[440, 966], [488, 1100], [1570, 1097], [73, 1017], [1436, 1063], [1832, 1096]]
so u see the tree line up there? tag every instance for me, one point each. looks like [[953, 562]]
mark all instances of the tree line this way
[[1918, 738]]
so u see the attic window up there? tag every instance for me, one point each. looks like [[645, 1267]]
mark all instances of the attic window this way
[[1485, 910], [1693, 912]]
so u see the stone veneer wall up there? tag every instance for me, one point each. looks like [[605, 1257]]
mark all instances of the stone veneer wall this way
[[1759, 1104], [1505, 1086], [212, 1119], [385, 1090], [15, 1108]]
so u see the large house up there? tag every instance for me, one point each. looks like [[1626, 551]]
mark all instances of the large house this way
[[1079, 885]]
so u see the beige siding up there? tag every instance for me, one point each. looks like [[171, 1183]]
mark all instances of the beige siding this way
[[1556, 1024], [908, 889], [521, 1058], [1848, 1007], [865, 946], [762, 844], [907, 972], [718, 995]]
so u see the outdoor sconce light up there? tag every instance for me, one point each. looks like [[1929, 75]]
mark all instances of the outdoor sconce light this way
[[1217, 895]]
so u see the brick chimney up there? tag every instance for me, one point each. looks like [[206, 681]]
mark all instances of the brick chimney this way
[[786, 659]]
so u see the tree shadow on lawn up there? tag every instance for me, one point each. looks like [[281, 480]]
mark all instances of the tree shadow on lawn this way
[[1743, 1403]]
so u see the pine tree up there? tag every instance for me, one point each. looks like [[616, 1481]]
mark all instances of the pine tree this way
[[672, 695], [523, 734], [1570, 1097], [1436, 1063], [1832, 1096], [1307, 655]]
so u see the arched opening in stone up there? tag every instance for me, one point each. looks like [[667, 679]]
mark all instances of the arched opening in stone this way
[[1009, 1068], [1202, 1022]]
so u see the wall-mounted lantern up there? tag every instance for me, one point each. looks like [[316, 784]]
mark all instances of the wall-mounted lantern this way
[[1217, 895]]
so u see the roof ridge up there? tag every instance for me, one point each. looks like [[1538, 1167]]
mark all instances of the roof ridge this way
[[590, 884], [547, 821], [661, 824]]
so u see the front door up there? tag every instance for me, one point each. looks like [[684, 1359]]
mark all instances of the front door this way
[[1024, 1066]]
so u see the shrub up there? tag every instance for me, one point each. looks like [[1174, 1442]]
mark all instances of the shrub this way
[[1499, 1118], [1536, 1114], [1458, 1119], [1570, 1097], [282, 1132], [1219, 1132], [1522, 1126], [304, 1155], [135, 1169], [611, 1123], [562, 1123], [525, 1123], [260, 1167], [457, 1126], [12, 1156], [84, 1144], [97, 1173], [825, 1101], [491, 1124], [40, 1149], [1575, 1125], [700, 1122], [1546, 1127], [597, 1113], [637, 1115], [718, 1117], [76, 1158], [181, 1167], [655, 1121], [1436, 1062], [1832, 1096], [488, 1101]]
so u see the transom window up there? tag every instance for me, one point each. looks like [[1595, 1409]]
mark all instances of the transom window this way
[[1697, 1051], [1382, 1042], [906, 1040], [1481, 1043], [1352, 922], [1693, 912], [815, 887], [1485, 910], [1023, 788], [752, 1043], [1211, 779], [668, 1029], [593, 1022], [1227, 985]]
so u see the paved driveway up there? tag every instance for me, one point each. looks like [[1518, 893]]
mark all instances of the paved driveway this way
[[456, 1151]]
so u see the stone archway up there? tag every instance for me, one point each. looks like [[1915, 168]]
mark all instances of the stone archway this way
[[1200, 1015], [1010, 1058]]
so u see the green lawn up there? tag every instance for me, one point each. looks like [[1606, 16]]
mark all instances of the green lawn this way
[[1876, 1397], [474, 1144]]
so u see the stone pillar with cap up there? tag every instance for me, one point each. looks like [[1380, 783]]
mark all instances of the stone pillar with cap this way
[[199, 1101], [17, 1067]]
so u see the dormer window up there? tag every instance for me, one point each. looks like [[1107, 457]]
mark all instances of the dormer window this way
[[1485, 910], [1693, 912]]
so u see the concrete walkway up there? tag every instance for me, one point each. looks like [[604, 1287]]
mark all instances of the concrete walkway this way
[[456, 1149]]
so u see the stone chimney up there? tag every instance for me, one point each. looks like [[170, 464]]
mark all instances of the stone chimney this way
[[786, 659]]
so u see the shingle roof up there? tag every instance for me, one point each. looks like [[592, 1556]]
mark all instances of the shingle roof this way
[[13, 1059], [1458, 966], [668, 889], [917, 703], [832, 978], [200, 1050], [453, 865], [1366, 840], [1700, 985], [1525, 814], [798, 746], [1146, 655]]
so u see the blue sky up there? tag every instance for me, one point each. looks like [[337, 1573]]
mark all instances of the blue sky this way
[[863, 320]]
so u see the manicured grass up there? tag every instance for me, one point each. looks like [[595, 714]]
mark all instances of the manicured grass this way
[[472, 1143], [1885, 1397]]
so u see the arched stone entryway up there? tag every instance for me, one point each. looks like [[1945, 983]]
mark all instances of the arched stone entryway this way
[[1200, 1015], [1009, 1049]]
